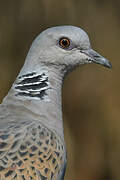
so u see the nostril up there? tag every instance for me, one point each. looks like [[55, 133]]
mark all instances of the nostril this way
[[96, 56]]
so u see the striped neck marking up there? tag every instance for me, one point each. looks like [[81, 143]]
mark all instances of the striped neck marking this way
[[33, 86]]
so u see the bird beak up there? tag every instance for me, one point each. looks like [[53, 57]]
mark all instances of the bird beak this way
[[97, 58]]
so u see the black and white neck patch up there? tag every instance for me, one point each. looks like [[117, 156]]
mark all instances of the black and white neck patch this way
[[32, 86]]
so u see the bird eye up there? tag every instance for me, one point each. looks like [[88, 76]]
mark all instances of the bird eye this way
[[64, 42]]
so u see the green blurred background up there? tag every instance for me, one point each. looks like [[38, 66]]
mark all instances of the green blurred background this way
[[91, 94]]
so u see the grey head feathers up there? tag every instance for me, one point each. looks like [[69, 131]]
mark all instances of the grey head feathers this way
[[46, 49]]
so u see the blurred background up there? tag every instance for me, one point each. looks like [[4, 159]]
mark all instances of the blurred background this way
[[91, 94]]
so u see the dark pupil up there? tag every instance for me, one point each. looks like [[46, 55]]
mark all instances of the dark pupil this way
[[65, 42]]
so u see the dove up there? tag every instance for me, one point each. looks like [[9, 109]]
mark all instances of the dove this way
[[32, 145]]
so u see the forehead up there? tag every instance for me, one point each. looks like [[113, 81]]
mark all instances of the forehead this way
[[77, 35]]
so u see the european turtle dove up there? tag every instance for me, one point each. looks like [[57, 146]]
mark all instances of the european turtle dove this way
[[32, 143]]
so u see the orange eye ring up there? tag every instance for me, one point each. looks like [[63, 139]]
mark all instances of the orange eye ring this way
[[64, 42]]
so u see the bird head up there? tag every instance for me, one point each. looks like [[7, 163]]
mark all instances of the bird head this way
[[65, 47]]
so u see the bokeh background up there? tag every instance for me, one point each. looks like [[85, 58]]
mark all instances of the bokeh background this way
[[91, 94]]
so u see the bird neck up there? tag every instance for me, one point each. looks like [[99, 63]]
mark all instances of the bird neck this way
[[39, 91]]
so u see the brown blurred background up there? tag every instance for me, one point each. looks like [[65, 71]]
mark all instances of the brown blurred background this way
[[91, 94]]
